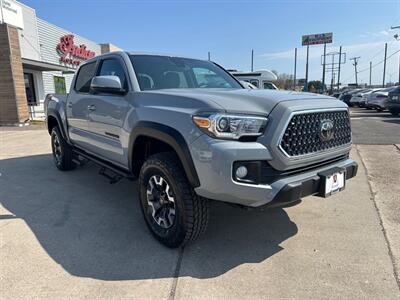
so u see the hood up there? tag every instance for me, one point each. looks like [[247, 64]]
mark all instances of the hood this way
[[260, 102]]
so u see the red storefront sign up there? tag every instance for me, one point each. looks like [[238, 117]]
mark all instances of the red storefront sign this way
[[77, 53]]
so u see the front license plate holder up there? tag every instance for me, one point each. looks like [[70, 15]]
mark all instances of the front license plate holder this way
[[332, 181]]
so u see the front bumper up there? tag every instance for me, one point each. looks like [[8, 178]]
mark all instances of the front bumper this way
[[214, 159], [294, 191]]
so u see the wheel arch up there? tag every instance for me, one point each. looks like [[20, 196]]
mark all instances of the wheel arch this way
[[54, 119], [166, 135]]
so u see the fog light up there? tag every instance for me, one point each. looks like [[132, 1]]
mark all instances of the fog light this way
[[241, 172]]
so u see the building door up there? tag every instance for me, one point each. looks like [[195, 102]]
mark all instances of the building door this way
[[30, 89]]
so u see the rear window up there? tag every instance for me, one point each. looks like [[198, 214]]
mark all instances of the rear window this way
[[84, 77]]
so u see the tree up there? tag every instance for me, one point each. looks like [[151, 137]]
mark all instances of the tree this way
[[284, 81], [315, 86]]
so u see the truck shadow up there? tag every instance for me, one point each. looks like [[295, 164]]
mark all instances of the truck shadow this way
[[94, 229]]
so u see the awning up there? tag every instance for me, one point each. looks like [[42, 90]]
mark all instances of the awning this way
[[44, 66]]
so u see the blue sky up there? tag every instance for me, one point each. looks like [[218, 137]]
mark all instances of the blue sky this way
[[230, 29]]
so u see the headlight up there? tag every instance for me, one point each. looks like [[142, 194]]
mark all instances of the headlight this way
[[233, 127]]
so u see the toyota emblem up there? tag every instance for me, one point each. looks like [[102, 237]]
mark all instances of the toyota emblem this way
[[326, 132]]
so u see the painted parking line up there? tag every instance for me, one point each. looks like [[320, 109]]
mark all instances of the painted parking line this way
[[374, 118]]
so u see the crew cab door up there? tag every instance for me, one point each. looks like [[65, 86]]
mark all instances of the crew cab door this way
[[106, 115], [78, 100]]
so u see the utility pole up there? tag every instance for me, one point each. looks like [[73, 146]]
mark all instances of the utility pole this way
[[370, 73], [355, 63], [323, 69], [209, 55], [340, 62], [396, 36], [295, 67], [384, 66], [306, 84], [252, 60]]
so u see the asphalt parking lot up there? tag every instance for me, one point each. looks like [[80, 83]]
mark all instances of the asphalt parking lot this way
[[72, 235]]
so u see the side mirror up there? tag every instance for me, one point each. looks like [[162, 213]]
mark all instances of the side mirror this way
[[106, 84]]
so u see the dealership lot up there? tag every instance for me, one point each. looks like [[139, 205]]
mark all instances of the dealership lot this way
[[72, 235]]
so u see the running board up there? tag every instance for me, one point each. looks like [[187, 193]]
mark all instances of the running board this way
[[111, 172], [110, 175]]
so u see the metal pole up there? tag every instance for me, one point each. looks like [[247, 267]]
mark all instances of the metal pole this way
[[306, 84], [370, 73], [384, 66], [355, 62], [340, 62], [209, 55], [295, 67], [399, 71], [323, 70], [252, 60], [333, 72]]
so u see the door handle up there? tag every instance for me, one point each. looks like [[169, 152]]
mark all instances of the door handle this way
[[91, 107], [69, 105]]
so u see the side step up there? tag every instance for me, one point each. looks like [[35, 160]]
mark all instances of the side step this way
[[111, 172], [110, 175]]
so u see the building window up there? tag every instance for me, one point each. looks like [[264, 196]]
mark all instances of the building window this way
[[59, 85], [30, 89]]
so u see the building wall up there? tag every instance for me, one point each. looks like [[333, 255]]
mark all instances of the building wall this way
[[13, 104], [105, 48], [49, 37]]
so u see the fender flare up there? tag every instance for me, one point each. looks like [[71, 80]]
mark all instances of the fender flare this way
[[51, 112], [169, 136]]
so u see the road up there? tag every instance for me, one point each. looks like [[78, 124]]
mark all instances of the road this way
[[374, 128], [73, 235]]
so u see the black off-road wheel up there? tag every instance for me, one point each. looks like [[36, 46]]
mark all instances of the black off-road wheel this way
[[62, 151], [173, 212]]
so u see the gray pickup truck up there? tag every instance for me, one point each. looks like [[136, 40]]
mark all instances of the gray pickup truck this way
[[189, 132]]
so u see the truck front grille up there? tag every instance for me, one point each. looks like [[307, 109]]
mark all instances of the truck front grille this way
[[303, 134]]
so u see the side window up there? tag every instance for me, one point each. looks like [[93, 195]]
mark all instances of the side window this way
[[254, 82], [113, 67], [84, 77]]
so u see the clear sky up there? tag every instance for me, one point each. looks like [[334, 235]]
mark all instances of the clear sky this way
[[230, 29]]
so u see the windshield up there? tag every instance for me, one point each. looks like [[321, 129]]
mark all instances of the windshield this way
[[164, 72]]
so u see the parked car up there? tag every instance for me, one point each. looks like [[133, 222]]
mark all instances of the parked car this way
[[393, 102], [248, 85], [356, 98], [189, 132], [377, 100], [364, 97], [346, 96]]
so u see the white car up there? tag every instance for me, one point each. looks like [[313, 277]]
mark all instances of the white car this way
[[357, 97], [364, 97], [377, 99]]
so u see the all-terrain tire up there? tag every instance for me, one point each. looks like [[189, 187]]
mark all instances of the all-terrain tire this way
[[62, 151], [191, 210]]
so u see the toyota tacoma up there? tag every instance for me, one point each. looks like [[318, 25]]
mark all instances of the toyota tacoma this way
[[189, 132]]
